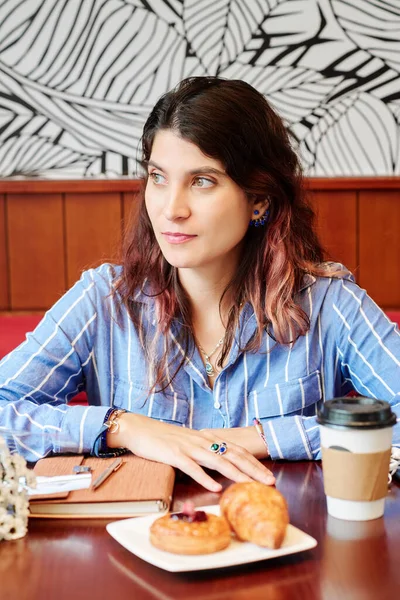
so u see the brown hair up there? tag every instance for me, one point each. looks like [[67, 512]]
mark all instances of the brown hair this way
[[232, 122]]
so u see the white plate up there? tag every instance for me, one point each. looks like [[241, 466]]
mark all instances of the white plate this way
[[133, 534]]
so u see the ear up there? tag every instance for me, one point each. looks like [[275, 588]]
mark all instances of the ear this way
[[261, 205]]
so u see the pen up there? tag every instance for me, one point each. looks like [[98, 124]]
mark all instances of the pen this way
[[115, 465]]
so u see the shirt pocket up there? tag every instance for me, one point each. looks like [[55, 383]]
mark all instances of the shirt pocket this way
[[296, 396], [166, 406]]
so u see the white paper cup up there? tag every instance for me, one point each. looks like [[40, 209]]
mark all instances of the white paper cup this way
[[356, 441]]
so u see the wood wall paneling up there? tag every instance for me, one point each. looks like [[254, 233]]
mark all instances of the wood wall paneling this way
[[93, 231], [380, 245], [36, 250], [131, 206], [4, 289], [336, 214], [70, 186], [51, 230], [128, 184]]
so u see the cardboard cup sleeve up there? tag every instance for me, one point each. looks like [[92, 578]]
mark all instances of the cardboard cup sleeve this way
[[353, 476]]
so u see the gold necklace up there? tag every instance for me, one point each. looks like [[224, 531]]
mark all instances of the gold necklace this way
[[209, 368]]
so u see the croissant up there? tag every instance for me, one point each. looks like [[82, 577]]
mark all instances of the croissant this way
[[256, 512]]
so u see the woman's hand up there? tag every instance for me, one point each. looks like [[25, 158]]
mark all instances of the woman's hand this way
[[247, 437], [187, 450]]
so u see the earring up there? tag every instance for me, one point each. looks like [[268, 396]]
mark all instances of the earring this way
[[259, 221]]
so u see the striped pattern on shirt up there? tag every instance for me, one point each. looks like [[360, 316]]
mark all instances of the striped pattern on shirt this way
[[351, 345]]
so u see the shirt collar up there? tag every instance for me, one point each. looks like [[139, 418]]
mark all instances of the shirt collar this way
[[308, 280]]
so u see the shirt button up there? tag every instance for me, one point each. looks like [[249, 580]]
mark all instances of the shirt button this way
[[217, 404]]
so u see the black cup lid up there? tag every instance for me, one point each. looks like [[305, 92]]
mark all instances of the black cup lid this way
[[359, 412]]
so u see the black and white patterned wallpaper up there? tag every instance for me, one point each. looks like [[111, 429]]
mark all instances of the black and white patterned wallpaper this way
[[79, 77]]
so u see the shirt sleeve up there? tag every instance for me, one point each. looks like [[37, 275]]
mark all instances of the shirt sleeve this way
[[292, 438], [368, 344], [44, 372], [368, 350]]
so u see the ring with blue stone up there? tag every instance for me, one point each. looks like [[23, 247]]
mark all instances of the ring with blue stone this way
[[219, 448]]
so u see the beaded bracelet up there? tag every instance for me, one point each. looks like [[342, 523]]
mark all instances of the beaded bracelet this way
[[100, 447], [260, 430]]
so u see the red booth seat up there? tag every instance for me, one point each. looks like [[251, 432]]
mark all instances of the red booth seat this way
[[394, 316]]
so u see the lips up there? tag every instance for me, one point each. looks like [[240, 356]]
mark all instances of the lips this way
[[177, 238]]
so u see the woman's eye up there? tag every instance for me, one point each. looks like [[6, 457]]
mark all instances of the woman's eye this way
[[203, 182], [157, 178]]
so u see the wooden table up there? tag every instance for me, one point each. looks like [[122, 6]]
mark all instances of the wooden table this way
[[76, 559]]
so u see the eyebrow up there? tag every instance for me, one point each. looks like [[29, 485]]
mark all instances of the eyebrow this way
[[199, 171]]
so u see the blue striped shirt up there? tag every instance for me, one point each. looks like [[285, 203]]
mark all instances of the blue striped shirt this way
[[79, 345]]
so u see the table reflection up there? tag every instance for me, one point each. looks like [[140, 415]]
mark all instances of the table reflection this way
[[355, 560]]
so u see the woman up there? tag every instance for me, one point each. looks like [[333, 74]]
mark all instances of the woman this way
[[222, 311]]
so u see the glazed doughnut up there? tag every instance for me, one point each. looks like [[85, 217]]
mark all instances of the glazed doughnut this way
[[199, 533], [256, 513]]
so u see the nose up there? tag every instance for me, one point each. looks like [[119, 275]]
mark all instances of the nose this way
[[176, 205]]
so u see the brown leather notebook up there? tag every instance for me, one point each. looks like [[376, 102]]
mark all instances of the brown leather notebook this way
[[138, 487]]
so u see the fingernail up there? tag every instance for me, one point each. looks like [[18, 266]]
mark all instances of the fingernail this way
[[217, 487], [270, 480]]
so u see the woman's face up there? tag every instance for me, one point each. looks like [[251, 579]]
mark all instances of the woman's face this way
[[198, 213]]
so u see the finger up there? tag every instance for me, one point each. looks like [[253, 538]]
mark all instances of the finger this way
[[249, 464], [259, 472], [214, 461], [194, 470]]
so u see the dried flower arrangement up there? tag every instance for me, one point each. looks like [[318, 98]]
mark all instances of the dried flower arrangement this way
[[14, 503]]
